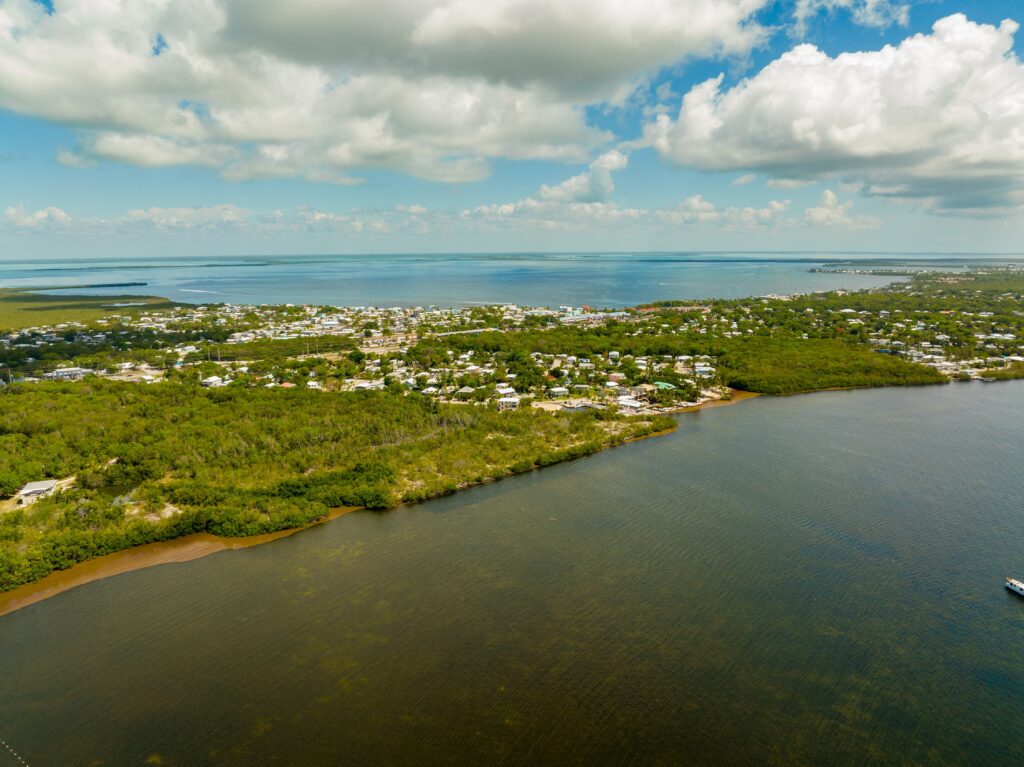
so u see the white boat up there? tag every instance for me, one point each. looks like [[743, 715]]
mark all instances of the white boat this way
[[1015, 586]]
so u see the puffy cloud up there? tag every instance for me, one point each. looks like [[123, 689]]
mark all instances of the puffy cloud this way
[[582, 202], [149, 151], [163, 219], [202, 220], [524, 41], [788, 183], [831, 212], [187, 218], [870, 13], [313, 219], [596, 185], [937, 119], [530, 213], [697, 210], [21, 218], [320, 89], [581, 197], [521, 43]]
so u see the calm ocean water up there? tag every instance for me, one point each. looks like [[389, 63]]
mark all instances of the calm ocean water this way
[[550, 279], [804, 580]]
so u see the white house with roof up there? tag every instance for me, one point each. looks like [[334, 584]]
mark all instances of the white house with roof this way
[[629, 406], [33, 491], [68, 374]]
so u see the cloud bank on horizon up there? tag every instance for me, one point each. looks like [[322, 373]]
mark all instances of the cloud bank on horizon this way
[[697, 99]]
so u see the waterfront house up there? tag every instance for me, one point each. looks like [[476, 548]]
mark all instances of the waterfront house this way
[[644, 390], [629, 406], [33, 491]]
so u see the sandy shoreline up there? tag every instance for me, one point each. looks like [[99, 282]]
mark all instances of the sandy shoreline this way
[[183, 549], [195, 546], [735, 396]]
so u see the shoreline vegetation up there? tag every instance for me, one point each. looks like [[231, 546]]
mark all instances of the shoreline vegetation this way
[[203, 544], [233, 456], [243, 462], [174, 551]]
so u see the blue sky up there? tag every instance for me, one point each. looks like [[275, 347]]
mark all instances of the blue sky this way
[[209, 127]]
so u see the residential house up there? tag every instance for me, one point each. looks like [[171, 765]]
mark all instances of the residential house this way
[[33, 491]]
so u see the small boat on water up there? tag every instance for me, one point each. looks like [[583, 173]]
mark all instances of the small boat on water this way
[[1017, 587]]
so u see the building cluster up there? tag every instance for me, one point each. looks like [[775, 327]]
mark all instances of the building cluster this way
[[365, 348], [383, 338], [547, 381]]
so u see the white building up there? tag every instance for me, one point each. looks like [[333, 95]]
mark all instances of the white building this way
[[629, 406], [33, 491], [67, 374]]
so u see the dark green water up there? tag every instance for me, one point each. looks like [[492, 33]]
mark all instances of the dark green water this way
[[809, 580]]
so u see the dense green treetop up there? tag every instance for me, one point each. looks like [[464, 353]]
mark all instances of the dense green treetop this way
[[154, 462]]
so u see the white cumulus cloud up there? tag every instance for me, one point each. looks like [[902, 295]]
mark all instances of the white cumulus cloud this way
[[187, 218], [697, 210], [937, 119], [18, 216], [596, 185], [322, 89], [692, 213], [583, 201], [832, 212]]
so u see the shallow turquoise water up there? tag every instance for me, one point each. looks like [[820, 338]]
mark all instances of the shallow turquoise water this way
[[547, 279], [803, 580]]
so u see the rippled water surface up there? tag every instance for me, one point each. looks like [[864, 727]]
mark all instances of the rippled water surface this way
[[804, 580], [543, 279]]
